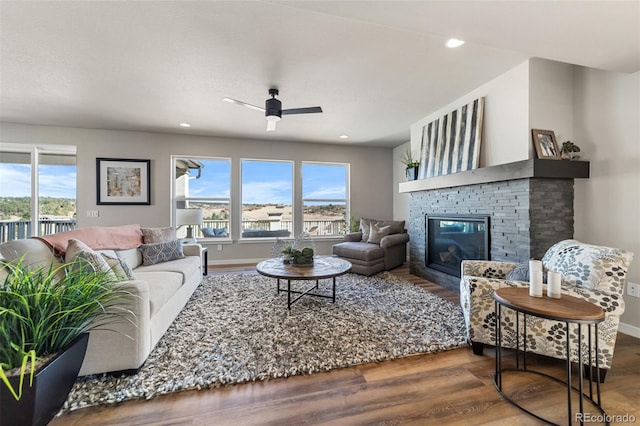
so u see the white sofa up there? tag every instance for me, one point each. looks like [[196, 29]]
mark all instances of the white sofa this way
[[161, 291]]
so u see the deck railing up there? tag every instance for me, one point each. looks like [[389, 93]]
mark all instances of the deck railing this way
[[322, 227], [19, 229]]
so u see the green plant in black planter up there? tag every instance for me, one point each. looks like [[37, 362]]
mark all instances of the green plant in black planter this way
[[411, 164], [43, 313]]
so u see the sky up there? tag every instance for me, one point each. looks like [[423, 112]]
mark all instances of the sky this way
[[55, 181], [270, 182]]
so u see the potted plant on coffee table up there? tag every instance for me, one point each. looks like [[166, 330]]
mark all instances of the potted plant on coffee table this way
[[45, 316], [412, 166]]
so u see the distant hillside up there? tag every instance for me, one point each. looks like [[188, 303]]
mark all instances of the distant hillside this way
[[14, 208]]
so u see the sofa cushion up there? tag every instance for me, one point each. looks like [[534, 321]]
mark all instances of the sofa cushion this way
[[162, 286], [521, 273], [159, 235], [584, 265], [161, 252], [397, 226], [214, 232], [132, 257], [260, 233], [188, 267], [358, 250], [84, 257], [377, 232], [119, 267], [36, 253]]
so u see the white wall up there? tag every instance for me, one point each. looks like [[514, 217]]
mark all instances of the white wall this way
[[606, 126], [400, 200], [506, 117], [551, 99], [371, 174]]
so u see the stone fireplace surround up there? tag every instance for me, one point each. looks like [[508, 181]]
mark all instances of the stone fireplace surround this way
[[530, 204]]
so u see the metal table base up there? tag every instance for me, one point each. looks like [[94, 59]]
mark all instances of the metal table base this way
[[497, 380], [300, 294]]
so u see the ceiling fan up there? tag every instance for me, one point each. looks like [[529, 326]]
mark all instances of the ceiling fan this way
[[273, 109]]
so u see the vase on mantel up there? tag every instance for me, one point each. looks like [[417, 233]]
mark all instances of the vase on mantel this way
[[412, 172]]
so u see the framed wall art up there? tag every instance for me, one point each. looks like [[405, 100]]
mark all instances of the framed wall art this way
[[451, 143], [545, 143], [123, 181]]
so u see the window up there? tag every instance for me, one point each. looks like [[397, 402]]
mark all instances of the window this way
[[267, 204], [267, 199], [202, 197], [325, 198], [37, 190]]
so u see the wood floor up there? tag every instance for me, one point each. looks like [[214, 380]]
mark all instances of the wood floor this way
[[453, 387]]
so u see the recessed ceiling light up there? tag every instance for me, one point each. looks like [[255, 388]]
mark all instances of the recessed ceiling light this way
[[344, 137], [185, 125], [454, 42]]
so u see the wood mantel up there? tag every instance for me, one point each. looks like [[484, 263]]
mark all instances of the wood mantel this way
[[532, 168]]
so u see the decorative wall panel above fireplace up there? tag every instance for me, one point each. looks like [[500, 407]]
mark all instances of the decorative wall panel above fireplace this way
[[451, 143]]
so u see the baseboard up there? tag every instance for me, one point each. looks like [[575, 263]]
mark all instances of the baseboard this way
[[629, 329]]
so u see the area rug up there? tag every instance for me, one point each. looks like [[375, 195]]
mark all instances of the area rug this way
[[237, 329]]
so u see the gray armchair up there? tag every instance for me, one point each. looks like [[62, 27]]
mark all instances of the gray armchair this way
[[380, 245]]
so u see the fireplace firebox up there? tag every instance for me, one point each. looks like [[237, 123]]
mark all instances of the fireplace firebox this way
[[450, 239]]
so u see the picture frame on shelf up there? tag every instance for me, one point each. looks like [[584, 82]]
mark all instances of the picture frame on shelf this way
[[122, 181], [545, 144]]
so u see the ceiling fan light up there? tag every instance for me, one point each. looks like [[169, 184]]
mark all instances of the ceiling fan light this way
[[273, 118]]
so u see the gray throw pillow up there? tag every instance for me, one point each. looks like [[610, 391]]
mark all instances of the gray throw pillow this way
[[83, 258], [119, 267], [161, 252], [158, 235], [521, 273], [377, 232]]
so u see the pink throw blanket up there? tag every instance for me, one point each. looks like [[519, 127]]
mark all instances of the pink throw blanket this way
[[97, 237]]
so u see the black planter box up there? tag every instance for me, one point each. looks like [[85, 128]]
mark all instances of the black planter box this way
[[51, 385], [412, 173]]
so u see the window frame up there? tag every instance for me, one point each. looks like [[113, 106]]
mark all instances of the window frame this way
[[292, 163], [346, 200], [199, 199], [35, 151]]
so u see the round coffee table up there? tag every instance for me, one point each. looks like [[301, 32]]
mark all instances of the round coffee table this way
[[323, 267]]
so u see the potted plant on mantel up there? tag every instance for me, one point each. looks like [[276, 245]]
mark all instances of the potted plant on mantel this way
[[569, 151], [45, 316], [412, 166]]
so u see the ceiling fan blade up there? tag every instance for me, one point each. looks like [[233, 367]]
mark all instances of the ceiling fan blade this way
[[271, 125], [308, 110], [237, 102]]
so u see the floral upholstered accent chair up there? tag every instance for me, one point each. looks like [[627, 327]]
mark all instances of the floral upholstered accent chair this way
[[594, 273]]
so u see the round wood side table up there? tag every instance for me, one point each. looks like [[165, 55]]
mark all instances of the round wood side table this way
[[567, 309]]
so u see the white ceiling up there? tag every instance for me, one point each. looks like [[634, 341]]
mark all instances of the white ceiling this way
[[375, 67]]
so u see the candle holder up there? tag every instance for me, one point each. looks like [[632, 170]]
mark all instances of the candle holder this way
[[554, 282]]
